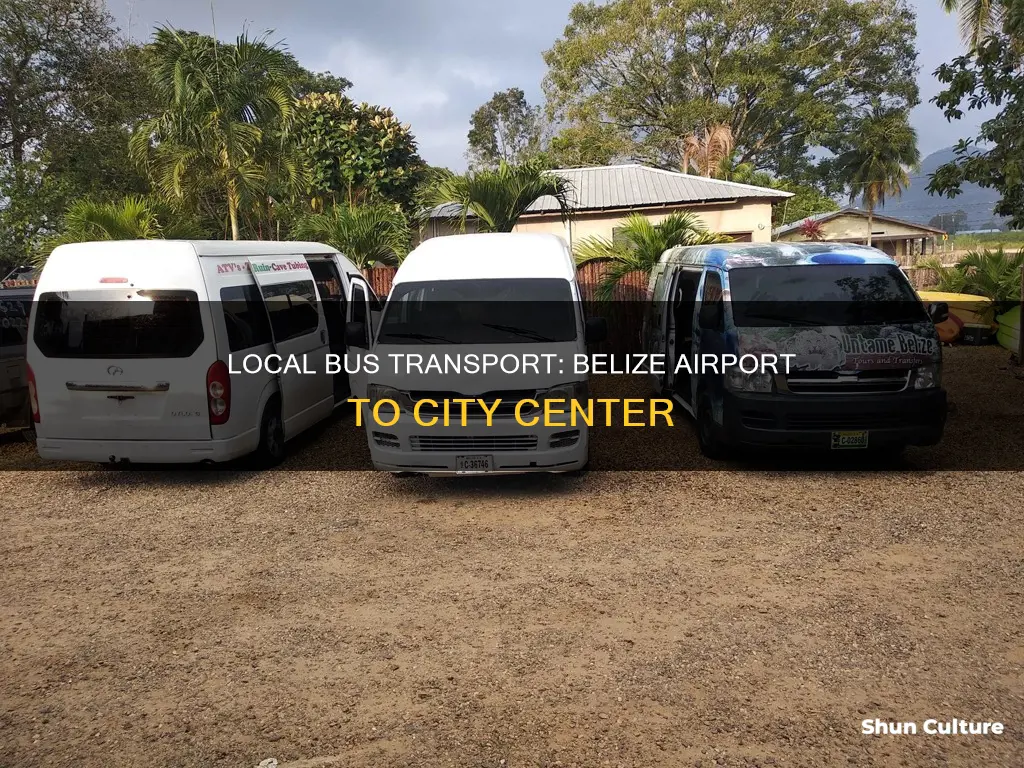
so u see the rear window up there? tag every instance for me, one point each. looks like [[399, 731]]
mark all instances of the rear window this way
[[245, 317], [111, 325]]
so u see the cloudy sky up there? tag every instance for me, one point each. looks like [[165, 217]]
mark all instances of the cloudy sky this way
[[435, 61]]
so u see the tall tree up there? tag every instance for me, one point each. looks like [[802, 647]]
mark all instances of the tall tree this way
[[807, 199], [881, 148], [356, 152], [218, 103], [989, 75], [783, 75], [978, 18], [499, 197], [504, 129], [47, 49]]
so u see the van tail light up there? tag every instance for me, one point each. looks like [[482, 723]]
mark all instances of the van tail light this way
[[218, 392], [33, 395]]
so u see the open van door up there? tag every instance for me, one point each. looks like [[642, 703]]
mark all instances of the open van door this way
[[300, 338], [360, 311]]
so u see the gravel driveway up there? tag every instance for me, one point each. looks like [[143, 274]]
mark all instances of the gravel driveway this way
[[739, 618]]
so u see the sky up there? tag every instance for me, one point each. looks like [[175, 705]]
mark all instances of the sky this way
[[435, 61]]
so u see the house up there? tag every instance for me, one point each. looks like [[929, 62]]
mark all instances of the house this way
[[903, 240], [603, 196]]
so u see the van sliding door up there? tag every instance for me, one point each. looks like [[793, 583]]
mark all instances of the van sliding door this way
[[300, 338]]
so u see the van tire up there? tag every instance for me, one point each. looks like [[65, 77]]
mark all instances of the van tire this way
[[270, 451], [711, 445]]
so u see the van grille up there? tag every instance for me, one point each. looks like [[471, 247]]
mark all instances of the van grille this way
[[448, 443], [836, 383]]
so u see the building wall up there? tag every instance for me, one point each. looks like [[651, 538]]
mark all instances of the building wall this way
[[751, 220], [851, 227]]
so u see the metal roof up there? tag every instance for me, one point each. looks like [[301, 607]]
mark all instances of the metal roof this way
[[852, 211], [615, 187]]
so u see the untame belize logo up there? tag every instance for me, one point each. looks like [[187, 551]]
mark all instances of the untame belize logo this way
[[897, 343]]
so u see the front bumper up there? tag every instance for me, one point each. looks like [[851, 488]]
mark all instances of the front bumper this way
[[408, 447], [808, 421]]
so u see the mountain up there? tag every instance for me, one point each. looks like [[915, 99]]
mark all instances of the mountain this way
[[918, 206]]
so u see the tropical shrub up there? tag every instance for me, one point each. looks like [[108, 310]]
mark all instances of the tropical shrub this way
[[497, 197], [640, 246], [366, 234], [133, 218], [995, 274]]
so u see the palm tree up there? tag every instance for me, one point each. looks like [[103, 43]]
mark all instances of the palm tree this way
[[497, 197], [220, 103], [875, 165], [978, 18], [133, 218], [641, 246], [367, 234], [705, 153]]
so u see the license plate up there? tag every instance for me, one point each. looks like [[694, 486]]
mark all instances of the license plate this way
[[843, 440], [469, 464]]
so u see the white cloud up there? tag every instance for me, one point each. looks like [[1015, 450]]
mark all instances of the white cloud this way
[[405, 85]]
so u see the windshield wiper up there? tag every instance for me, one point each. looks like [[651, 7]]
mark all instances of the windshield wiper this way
[[417, 336], [526, 333]]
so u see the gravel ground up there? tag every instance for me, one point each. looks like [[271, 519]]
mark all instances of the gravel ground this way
[[746, 617]]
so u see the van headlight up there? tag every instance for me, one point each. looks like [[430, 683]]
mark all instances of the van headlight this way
[[573, 390], [738, 381], [926, 377], [378, 392]]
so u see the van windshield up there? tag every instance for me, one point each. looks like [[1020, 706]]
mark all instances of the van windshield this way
[[109, 325], [498, 311], [822, 295]]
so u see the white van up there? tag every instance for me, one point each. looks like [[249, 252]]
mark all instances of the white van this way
[[455, 299], [137, 348]]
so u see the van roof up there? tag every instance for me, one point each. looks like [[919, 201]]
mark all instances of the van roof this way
[[488, 256], [738, 255], [205, 247]]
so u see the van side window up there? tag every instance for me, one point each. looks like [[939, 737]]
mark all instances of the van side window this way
[[375, 304], [292, 308], [711, 306], [245, 317], [359, 299]]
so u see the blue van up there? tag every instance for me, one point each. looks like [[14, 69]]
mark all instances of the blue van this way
[[859, 360]]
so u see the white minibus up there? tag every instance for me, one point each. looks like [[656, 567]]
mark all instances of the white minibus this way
[[456, 304], [172, 351]]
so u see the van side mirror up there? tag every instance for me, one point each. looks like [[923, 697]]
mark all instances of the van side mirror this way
[[938, 312], [596, 330], [355, 335]]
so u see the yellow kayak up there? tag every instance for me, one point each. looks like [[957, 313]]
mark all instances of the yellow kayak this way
[[965, 309]]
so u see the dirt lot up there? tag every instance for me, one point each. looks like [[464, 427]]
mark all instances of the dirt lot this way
[[741, 617]]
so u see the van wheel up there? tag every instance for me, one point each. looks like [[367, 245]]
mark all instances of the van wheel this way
[[270, 452], [711, 445]]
